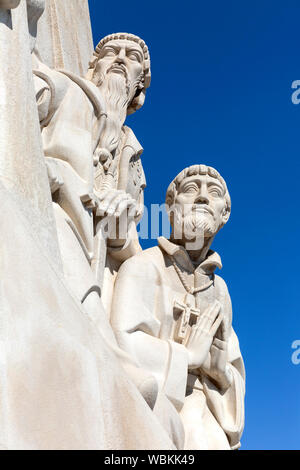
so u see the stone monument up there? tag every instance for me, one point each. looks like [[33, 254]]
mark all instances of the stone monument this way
[[71, 184]]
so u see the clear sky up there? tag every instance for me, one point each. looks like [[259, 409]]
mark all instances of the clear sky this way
[[221, 95]]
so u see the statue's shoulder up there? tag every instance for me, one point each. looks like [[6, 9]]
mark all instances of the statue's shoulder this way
[[61, 81], [89, 89], [148, 261], [51, 87], [221, 286], [132, 141], [220, 283], [53, 78], [223, 297]]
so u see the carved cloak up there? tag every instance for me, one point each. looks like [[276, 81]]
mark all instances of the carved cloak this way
[[146, 289]]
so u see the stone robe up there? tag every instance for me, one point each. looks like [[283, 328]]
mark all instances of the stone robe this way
[[62, 383], [145, 325]]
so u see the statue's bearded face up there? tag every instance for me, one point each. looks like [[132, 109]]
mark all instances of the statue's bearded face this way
[[125, 58], [118, 74], [200, 207]]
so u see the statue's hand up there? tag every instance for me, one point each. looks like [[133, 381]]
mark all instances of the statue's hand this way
[[216, 363], [118, 209], [9, 4], [113, 202], [54, 175], [202, 335]]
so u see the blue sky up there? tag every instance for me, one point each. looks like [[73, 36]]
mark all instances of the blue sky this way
[[221, 95]]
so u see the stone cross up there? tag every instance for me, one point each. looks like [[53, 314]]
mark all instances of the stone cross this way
[[187, 317]]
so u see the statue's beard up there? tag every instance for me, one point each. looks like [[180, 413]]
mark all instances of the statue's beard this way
[[195, 224], [114, 88], [118, 93]]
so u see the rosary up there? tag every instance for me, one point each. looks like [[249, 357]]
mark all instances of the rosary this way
[[185, 311]]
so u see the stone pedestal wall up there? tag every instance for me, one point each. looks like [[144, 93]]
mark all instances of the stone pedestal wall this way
[[64, 39]]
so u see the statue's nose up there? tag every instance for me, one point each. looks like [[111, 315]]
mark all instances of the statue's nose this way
[[202, 199], [121, 56]]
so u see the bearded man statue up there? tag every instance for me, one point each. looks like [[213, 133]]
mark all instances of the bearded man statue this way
[[93, 160], [173, 315]]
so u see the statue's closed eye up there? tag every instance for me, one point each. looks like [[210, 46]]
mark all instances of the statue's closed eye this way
[[215, 191], [134, 56], [190, 188], [109, 52]]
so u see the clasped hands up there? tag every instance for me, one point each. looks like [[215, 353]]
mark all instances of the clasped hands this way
[[207, 346]]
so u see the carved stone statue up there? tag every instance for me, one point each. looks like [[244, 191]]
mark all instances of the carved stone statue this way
[[93, 160], [120, 68], [71, 186], [173, 314], [62, 382]]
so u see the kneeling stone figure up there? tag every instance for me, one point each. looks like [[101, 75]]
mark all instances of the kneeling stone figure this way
[[173, 315]]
